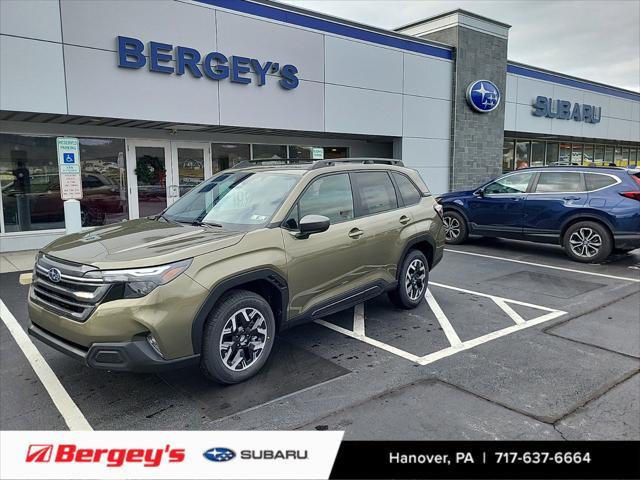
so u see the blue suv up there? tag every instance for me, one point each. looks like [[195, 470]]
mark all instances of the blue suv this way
[[588, 210]]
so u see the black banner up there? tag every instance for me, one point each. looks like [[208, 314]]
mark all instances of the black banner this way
[[487, 459]]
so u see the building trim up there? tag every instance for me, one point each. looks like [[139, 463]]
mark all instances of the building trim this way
[[561, 79], [324, 24]]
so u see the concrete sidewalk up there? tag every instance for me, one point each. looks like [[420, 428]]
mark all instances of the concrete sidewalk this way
[[17, 261]]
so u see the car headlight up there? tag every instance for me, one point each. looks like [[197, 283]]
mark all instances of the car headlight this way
[[139, 282]]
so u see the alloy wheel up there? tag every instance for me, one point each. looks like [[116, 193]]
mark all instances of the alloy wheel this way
[[243, 339], [585, 242], [451, 228], [415, 279]]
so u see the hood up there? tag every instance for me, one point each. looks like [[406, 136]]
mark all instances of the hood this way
[[462, 193], [140, 243]]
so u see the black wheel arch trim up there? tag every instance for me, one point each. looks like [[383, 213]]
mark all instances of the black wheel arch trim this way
[[410, 246], [266, 274], [457, 209], [582, 217]]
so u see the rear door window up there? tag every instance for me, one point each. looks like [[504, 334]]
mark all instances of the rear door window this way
[[408, 191], [376, 192], [596, 182], [559, 182]]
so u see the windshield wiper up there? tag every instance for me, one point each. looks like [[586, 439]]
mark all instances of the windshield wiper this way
[[199, 223]]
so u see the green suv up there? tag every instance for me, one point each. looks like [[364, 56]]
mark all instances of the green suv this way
[[244, 255]]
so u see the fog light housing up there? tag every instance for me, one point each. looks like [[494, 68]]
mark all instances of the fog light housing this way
[[154, 344]]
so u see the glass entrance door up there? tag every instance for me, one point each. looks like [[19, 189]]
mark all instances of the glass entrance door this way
[[191, 164], [149, 172], [159, 172]]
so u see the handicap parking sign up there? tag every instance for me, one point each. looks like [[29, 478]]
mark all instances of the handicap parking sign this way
[[69, 158]]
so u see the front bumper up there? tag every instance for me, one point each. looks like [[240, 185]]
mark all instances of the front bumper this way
[[133, 356]]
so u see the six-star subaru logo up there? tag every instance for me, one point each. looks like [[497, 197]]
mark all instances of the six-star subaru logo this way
[[219, 454], [483, 96], [54, 275]]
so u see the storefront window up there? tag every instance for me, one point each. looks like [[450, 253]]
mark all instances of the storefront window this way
[[522, 154], [633, 157], [552, 154], [617, 158], [587, 155], [29, 180], [104, 181], [537, 154], [336, 152], [508, 149], [598, 158], [268, 152], [608, 155], [625, 157], [576, 154], [227, 155], [565, 154]]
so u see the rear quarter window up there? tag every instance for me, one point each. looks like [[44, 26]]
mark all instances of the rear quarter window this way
[[408, 191], [596, 182]]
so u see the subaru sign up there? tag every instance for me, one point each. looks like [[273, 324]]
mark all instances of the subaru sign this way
[[565, 110], [170, 60], [483, 96]]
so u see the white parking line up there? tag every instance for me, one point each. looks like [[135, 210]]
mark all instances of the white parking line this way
[[447, 328], [457, 345], [574, 270], [72, 415]]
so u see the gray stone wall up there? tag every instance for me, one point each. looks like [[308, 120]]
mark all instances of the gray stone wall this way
[[476, 152]]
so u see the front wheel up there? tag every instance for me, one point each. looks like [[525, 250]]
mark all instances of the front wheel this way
[[587, 242], [455, 227], [413, 279], [238, 337]]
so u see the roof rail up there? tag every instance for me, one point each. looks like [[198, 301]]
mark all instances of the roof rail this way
[[332, 162]]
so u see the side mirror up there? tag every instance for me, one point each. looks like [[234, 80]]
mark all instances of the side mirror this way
[[479, 192], [310, 224]]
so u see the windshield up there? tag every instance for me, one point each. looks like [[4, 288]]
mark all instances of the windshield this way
[[234, 200]]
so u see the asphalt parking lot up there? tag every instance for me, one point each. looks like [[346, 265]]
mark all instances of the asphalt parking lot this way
[[514, 342]]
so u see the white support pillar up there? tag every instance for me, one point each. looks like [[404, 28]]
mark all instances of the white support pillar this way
[[72, 218]]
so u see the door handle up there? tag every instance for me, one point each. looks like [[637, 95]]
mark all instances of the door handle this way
[[355, 233], [571, 198], [404, 219]]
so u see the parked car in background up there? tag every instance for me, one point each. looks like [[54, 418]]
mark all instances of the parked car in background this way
[[587, 210], [101, 197]]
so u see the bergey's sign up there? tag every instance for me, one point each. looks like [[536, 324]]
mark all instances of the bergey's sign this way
[[565, 110]]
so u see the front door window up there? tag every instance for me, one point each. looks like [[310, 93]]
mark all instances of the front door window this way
[[510, 184]]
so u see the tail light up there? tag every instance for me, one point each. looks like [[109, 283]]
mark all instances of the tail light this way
[[439, 210], [632, 195]]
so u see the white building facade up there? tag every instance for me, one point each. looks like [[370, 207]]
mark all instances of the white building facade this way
[[164, 94]]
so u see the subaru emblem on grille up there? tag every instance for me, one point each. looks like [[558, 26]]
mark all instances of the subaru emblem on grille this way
[[54, 275]]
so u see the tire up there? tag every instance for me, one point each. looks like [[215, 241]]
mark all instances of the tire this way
[[587, 242], [413, 280], [455, 227], [219, 329]]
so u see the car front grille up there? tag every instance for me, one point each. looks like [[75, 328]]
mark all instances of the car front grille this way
[[73, 296]]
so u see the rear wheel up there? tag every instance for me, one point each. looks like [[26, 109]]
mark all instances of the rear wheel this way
[[455, 227], [413, 279], [587, 242], [238, 337]]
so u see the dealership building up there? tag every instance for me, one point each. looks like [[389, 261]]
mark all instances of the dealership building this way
[[163, 94]]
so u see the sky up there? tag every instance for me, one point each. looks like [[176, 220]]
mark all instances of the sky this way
[[596, 40]]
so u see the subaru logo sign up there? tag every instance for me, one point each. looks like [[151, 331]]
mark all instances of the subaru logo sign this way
[[54, 275], [483, 96], [219, 454]]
